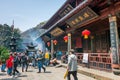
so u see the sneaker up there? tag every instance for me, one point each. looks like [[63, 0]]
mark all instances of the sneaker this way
[[13, 76], [3, 71]]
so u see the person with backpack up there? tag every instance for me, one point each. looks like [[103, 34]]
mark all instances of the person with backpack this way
[[19, 58], [24, 62], [40, 60], [15, 64]]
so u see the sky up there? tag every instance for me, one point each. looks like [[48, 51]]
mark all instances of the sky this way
[[27, 13]]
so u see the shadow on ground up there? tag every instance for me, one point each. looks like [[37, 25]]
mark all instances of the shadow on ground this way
[[2, 74], [30, 71], [58, 66], [47, 72], [23, 76], [10, 79]]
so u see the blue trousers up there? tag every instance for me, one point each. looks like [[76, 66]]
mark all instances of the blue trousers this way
[[24, 65], [9, 71], [40, 65], [3, 67], [47, 61]]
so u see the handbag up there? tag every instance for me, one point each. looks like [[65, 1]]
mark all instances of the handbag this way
[[65, 74]]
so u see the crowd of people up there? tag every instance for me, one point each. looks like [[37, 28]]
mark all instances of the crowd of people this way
[[11, 64], [38, 60]]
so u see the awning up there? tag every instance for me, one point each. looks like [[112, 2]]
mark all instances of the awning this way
[[85, 3]]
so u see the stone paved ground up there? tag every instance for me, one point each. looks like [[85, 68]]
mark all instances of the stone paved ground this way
[[52, 73]]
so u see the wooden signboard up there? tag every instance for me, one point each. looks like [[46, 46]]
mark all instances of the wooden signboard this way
[[81, 17], [45, 38], [57, 31]]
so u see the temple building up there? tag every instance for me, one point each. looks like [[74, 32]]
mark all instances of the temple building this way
[[88, 26], [31, 48]]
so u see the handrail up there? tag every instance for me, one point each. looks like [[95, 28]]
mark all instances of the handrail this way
[[101, 61]]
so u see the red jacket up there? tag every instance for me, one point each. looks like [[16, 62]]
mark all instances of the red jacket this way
[[11, 57], [9, 62]]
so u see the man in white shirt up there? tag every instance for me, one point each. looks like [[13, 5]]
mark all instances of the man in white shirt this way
[[72, 65]]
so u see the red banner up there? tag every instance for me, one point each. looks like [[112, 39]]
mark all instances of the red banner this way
[[78, 43]]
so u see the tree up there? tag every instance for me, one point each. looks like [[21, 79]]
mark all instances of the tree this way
[[17, 34], [6, 32], [4, 54]]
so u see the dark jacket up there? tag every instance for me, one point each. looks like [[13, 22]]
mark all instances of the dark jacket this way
[[24, 59], [40, 57], [15, 60]]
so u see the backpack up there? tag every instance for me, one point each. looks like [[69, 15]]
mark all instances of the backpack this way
[[16, 60], [23, 59]]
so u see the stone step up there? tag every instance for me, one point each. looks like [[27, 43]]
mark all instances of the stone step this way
[[96, 74]]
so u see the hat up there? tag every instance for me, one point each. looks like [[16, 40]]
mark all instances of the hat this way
[[72, 50]]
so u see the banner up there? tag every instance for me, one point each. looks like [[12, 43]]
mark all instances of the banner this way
[[85, 58]]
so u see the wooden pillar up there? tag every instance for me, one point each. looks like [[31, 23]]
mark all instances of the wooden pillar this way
[[86, 45], [92, 47], [69, 42], [52, 48], [114, 44]]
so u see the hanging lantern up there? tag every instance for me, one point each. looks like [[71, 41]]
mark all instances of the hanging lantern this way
[[48, 43], [55, 42], [86, 33], [66, 38]]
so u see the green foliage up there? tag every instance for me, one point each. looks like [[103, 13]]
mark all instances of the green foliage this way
[[4, 54], [6, 32]]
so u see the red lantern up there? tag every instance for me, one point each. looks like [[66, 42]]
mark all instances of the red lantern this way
[[55, 42], [86, 33], [48, 43], [66, 38]]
